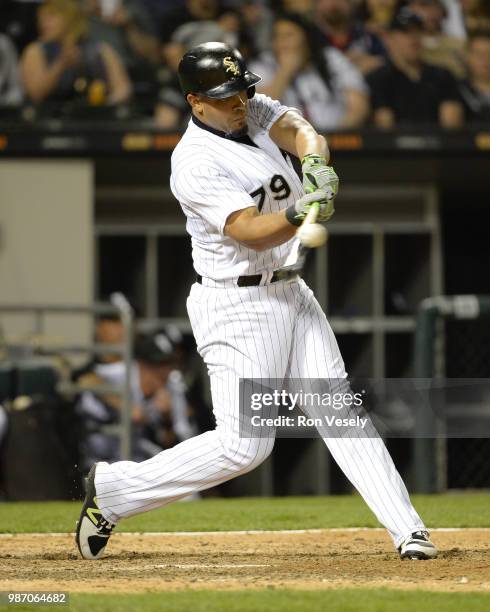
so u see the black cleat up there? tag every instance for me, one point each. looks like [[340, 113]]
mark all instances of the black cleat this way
[[93, 531], [417, 547]]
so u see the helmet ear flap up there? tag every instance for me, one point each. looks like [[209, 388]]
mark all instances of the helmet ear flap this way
[[251, 92]]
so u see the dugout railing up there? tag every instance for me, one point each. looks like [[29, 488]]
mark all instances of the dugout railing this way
[[36, 345]]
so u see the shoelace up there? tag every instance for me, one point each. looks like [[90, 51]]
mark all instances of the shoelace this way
[[104, 527]]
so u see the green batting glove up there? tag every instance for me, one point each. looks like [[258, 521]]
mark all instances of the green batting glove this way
[[317, 175], [296, 213]]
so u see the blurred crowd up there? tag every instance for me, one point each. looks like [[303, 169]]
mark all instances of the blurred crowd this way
[[162, 410], [72, 413], [343, 63]]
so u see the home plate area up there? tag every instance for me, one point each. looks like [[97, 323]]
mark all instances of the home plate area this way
[[316, 559]]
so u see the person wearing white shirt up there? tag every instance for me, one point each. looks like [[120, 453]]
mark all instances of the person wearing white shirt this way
[[320, 82]]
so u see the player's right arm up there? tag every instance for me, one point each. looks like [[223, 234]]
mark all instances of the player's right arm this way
[[265, 231], [259, 232], [214, 194]]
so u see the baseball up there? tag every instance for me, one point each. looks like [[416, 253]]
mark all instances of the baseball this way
[[312, 235]]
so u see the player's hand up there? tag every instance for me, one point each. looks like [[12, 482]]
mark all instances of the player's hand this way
[[303, 205], [318, 176]]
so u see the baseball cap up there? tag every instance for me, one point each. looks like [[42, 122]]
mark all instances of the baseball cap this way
[[155, 350], [405, 20]]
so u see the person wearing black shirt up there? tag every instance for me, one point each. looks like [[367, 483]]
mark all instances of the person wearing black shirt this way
[[408, 91], [475, 90], [339, 27]]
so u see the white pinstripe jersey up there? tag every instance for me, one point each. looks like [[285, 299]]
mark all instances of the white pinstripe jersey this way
[[213, 176]]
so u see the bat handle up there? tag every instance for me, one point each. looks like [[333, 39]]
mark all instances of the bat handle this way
[[312, 214]]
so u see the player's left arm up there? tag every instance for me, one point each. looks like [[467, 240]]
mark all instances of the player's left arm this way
[[296, 135]]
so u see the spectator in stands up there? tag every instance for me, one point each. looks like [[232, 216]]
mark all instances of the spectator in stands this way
[[439, 48], [10, 89], [323, 84], [170, 112], [157, 395], [108, 330], [64, 64], [475, 89], [476, 14], [159, 8], [257, 23], [128, 28], [409, 91], [336, 20], [299, 7], [173, 424], [378, 14], [199, 11], [18, 21], [464, 16]]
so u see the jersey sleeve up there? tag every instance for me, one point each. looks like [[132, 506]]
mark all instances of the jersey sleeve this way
[[210, 192], [265, 111]]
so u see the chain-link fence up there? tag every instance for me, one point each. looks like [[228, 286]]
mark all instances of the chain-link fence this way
[[467, 355], [453, 342]]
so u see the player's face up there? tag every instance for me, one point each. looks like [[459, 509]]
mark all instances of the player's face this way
[[227, 115]]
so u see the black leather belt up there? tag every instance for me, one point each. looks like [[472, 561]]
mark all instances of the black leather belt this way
[[254, 280]]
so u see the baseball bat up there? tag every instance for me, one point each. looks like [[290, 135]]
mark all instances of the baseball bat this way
[[310, 233], [311, 215], [297, 257]]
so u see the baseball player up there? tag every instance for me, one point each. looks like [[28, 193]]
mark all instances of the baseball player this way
[[233, 176]]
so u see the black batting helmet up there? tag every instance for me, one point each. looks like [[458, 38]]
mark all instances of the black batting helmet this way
[[215, 70]]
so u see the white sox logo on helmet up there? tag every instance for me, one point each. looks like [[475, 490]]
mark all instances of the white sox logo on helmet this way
[[231, 66]]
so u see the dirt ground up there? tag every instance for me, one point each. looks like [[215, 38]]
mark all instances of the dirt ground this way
[[314, 560]]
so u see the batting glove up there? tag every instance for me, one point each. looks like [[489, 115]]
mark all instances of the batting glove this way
[[317, 175], [298, 211]]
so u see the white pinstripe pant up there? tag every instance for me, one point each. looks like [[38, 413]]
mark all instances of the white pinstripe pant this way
[[271, 331]]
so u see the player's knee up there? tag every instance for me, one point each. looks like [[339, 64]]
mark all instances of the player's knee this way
[[246, 454]]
